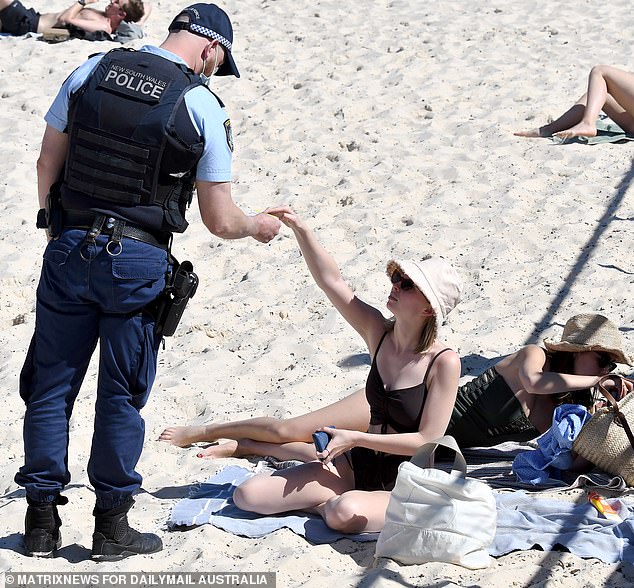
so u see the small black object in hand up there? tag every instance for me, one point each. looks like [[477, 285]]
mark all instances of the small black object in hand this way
[[321, 440]]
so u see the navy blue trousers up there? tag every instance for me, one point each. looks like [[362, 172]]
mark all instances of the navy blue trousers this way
[[86, 295]]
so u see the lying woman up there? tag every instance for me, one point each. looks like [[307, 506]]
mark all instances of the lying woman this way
[[512, 401], [609, 89]]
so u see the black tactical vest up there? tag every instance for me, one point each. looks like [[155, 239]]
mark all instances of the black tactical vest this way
[[133, 148]]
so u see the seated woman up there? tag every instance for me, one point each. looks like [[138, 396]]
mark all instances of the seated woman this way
[[411, 390], [609, 89], [512, 401]]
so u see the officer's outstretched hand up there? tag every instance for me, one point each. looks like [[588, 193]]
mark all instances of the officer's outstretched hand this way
[[267, 227]]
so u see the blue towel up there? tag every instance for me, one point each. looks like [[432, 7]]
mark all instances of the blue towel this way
[[212, 502], [553, 453], [526, 520], [523, 521]]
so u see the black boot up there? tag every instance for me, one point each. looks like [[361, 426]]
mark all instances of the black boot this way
[[41, 535], [114, 539]]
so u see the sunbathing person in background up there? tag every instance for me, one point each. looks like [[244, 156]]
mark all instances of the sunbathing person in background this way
[[512, 401], [15, 19], [609, 89]]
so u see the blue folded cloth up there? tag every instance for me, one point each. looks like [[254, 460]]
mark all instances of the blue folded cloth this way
[[554, 447]]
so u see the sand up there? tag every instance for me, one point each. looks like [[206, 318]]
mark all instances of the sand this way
[[389, 127]]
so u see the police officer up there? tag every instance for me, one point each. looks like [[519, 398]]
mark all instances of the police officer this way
[[126, 138]]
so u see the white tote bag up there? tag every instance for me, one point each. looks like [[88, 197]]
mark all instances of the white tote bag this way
[[434, 515]]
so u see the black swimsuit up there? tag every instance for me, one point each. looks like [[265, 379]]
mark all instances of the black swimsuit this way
[[401, 410], [487, 413]]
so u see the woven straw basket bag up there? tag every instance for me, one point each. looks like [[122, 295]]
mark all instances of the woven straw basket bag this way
[[606, 439]]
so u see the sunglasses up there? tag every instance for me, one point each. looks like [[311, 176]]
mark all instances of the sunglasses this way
[[405, 283], [606, 362]]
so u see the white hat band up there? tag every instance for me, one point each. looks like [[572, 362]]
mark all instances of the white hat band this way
[[195, 28]]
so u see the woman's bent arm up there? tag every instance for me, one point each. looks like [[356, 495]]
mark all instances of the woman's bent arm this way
[[536, 381]]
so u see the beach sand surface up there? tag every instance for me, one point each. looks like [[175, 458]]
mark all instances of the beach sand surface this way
[[389, 127]]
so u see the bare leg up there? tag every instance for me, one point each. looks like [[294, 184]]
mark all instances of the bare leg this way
[[604, 82], [304, 487], [356, 511], [316, 488], [5, 3], [352, 413], [242, 447], [571, 117], [609, 89]]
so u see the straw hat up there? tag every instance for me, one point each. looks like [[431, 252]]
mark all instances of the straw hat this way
[[436, 279], [591, 332]]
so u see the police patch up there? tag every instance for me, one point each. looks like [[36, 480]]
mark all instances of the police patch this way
[[229, 134], [131, 82]]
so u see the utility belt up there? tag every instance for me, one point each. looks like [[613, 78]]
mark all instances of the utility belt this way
[[79, 219], [95, 223], [180, 282]]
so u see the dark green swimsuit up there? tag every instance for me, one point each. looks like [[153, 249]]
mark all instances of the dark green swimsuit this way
[[487, 413]]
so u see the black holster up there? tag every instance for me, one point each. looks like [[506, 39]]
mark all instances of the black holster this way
[[180, 285], [51, 217]]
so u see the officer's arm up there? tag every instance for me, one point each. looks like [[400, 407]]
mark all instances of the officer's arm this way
[[224, 219], [51, 161]]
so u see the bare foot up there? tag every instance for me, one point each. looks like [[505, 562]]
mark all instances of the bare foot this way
[[227, 449], [531, 133], [542, 132], [579, 130], [183, 436]]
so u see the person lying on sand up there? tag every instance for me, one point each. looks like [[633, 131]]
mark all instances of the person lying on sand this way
[[511, 401], [15, 19], [609, 89]]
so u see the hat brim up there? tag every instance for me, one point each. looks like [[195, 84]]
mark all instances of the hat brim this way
[[616, 354], [228, 67], [414, 274]]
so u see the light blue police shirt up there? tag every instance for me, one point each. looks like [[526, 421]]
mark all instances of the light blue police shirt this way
[[206, 114]]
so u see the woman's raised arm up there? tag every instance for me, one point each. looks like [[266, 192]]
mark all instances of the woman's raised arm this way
[[365, 319]]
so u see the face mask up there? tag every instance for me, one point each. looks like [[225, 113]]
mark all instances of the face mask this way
[[203, 78], [207, 79]]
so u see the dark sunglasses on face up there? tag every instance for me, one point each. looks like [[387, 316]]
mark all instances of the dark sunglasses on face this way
[[404, 283], [605, 362]]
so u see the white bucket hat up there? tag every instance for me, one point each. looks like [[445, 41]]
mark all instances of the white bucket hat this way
[[436, 279], [591, 332]]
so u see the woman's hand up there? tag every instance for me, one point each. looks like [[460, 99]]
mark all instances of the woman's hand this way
[[287, 216], [341, 440], [617, 386]]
